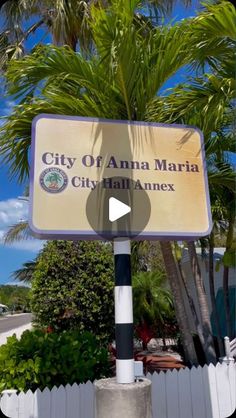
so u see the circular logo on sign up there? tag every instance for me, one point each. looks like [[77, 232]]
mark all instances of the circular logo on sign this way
[[53, 180]]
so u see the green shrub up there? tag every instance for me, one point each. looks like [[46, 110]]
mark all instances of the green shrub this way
[[72, 287], [41, 359]]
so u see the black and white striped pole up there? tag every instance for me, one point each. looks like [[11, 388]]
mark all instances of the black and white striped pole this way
[[123, 396], [123, 311]]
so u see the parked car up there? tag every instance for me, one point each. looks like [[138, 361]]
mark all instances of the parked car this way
[[3, 309]]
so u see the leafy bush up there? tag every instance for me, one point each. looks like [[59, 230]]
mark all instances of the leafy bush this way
[[41, 359], [72, 287]]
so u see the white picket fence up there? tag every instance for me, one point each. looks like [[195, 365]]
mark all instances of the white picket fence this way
[[208, 392]]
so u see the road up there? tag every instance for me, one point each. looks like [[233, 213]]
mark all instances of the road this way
[[14, 321]]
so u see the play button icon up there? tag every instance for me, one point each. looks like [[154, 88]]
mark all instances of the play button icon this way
[[117, 209]]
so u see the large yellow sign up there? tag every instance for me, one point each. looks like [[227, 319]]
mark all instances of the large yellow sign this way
[[71, 155]]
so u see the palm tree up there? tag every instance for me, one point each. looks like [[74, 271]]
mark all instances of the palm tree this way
[[208, 103], [208, 346], [187, 288], [222, 195], [146, 256], [152, 302], [181, 314], [223, 208], [104, 85], [132, 88], [66, 21]]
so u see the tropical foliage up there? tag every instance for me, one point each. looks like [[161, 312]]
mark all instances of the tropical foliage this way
[[25, 273], [207, 101], [15, 297], [152, 298], [72, 287], [153, 305], [41, 359], [122, 77], [147, 256], [64, 22], [103, 85]]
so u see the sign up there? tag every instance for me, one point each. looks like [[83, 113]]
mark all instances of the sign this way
[[71, 156]]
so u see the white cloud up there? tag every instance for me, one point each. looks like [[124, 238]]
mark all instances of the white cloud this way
[[32, 245], [13, 211]]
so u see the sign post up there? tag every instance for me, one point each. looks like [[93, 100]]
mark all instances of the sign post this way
[[123, 312], [118, 180]]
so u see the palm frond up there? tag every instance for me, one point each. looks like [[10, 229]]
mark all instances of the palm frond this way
[[213, 34], [13, 12], [156, 9], [25, 274], [208, 97], [153, 300], [220, 144], [224, 176], [17, 232]]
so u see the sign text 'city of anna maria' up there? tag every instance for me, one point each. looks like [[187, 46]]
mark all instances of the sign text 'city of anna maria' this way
[[64, 161]]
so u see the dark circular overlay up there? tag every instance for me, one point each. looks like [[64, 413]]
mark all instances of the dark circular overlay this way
[[53, 180], [127, 191]]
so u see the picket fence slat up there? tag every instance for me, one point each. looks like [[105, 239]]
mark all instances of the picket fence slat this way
[[214, 398], [72, 401], [198, 402], [208, 392], [224, 399], [43, 402], [185, 404], [82, 404], [232, 380], [171, 386], [89, 399], [159, 406], [58, 403]]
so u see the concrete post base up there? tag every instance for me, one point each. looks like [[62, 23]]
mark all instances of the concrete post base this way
[[116, 400]]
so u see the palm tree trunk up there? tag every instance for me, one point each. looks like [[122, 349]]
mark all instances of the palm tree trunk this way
[[215, 312], [209, 349], [191, 304], [181, 315], [71, 42]]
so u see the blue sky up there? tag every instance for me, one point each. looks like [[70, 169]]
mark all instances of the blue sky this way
[[12, 209]]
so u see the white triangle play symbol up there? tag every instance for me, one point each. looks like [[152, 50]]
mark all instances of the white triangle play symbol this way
[[117, 209]]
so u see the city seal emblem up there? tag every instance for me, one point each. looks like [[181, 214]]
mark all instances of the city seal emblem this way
[[53, 180]]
